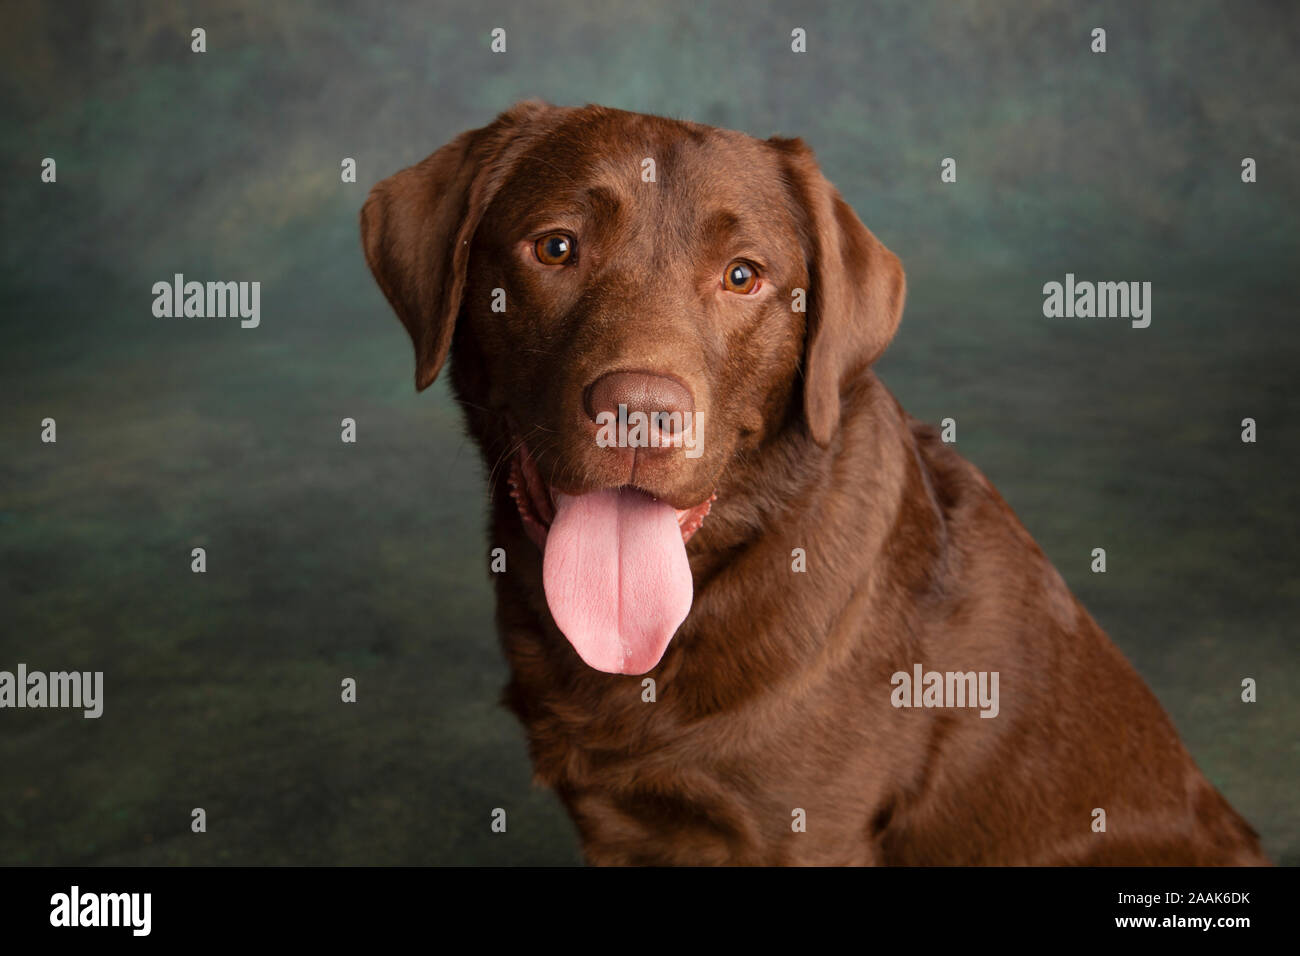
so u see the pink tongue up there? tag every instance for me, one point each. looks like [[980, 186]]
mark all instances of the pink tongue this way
[[616, 576]]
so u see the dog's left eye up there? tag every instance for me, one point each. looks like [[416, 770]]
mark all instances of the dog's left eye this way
[[740, 277]]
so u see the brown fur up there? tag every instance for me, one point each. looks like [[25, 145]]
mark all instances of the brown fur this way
[[775, 692]]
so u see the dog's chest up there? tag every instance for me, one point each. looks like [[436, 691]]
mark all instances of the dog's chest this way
[[645, 789]]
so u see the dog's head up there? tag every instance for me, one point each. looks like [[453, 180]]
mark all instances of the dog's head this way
[[635, 299]]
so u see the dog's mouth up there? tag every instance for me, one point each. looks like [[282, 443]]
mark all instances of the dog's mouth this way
[[614, 566]]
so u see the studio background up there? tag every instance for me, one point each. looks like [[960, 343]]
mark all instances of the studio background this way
[[328, 560]]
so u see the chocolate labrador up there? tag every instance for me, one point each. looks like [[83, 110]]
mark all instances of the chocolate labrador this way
[[754, 612]]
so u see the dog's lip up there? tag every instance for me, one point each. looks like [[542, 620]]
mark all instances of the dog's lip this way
[[535, 500]]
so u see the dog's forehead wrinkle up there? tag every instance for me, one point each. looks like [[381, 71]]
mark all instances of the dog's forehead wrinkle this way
[[709, 187]]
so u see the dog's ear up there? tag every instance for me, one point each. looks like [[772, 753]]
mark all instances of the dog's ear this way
[[857, 289], [417, 226]]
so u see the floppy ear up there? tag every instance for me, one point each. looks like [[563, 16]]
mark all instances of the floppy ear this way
[[857, 289], [417, 226]]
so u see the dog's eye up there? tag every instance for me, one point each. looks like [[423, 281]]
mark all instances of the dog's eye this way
[[740, 278], [554, 249]]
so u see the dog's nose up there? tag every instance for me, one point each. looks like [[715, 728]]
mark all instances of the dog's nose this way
[[645, 392]]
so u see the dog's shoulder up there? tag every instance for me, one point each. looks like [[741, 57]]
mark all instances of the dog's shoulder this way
[[985, 537], [957, 484]]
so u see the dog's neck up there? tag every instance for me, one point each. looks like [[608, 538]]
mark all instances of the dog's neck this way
[[846, 525], [782, 486]]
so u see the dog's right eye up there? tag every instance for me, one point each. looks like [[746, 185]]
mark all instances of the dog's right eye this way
[[554, 249]]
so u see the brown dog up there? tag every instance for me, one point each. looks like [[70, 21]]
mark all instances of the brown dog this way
[[811, 586]]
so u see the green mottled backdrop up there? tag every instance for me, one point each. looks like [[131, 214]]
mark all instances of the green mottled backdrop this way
[[328, 560]]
